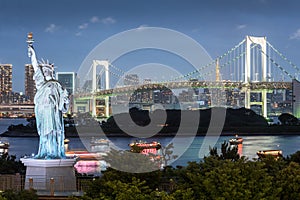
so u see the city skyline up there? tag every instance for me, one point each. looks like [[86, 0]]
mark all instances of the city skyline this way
[[65, 32]]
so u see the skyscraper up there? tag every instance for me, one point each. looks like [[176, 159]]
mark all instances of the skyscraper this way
[[69, 81], [30, 88], [131, 79], [5, 82]]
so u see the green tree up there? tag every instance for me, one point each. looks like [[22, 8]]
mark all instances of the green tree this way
[[227, 152], [131, 162], [9, 165], [288, 182], [2, 198], [295, 157], [20, 195], [167, 154], [288, 119]]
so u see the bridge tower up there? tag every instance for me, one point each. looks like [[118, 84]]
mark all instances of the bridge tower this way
[[105, 68], [262, 41]]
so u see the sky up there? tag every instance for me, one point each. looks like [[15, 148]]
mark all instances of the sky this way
[[66, 31]]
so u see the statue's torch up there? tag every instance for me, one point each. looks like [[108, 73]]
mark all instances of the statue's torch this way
[[30, 40]]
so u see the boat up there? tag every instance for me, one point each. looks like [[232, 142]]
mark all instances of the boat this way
[[274, 153], [3, 147], [236, 140], [145, 147], [83, 155]]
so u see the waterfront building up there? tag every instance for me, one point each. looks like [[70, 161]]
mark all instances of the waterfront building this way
[[5, 83], [30, 88]]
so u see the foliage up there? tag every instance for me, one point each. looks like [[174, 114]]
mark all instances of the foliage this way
[[2, 198], [294, 157], [167, 154], [9, 165], [130, 162], [20, 195], [227, 152], [288, 119], [218, 176]]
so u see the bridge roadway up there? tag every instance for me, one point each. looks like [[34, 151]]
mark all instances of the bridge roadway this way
[[253, 86]]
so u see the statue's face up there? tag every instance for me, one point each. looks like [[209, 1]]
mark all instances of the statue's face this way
[[47, 72]]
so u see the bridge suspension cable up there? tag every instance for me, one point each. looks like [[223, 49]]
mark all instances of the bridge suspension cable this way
[[116, 68], [228, 62], [283, 57], [276, 64], [198, 70]]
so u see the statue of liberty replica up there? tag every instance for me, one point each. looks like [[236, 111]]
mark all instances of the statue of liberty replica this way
[[51, 101], [49, 171]]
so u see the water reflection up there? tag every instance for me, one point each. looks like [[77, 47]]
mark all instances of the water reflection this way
[[21, 146]]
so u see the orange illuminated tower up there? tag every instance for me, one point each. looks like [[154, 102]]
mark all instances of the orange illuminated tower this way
[[217, 70]]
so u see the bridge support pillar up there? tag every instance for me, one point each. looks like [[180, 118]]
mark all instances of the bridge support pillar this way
[[247, 99], [107, 106], [94, 106], [264, 103], [105, 65]]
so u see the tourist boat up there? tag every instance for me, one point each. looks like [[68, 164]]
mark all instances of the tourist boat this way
[[145, 147], [273, 153], [3, 147], [235, 141], [83, 155]]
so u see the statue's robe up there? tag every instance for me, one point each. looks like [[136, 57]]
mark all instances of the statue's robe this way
[[50, 105]]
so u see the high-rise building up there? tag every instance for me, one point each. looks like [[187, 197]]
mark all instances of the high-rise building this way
[[30, 88], [5, 82], [131, 79], [69, 81]]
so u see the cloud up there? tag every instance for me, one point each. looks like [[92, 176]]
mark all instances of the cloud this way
[[51, 28], [241, 26], [295, 35], [108, 20], [83, 26], [94, 19]]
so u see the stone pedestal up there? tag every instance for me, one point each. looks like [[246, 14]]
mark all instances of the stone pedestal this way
[[50, 176]]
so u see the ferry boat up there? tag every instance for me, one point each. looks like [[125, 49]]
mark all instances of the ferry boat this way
[[83, 155], [265, 153], [145, 147], [235, 141], [3, 147]]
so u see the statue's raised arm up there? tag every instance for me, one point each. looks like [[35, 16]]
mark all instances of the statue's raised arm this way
[[31, 52]]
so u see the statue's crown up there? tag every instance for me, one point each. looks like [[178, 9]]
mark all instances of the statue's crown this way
[[46, 64]]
